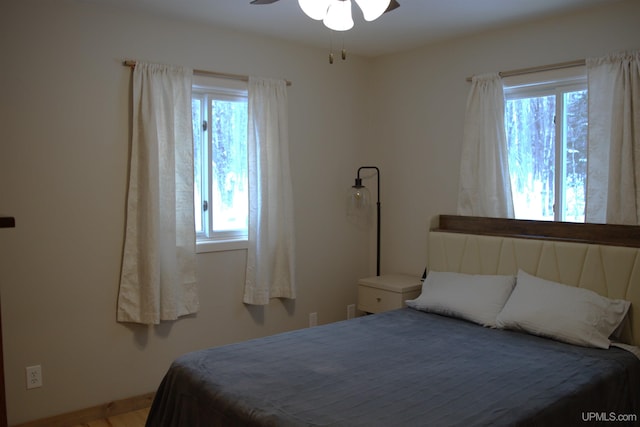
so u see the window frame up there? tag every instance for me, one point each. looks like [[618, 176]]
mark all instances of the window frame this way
[[556, 83], [208, 240]]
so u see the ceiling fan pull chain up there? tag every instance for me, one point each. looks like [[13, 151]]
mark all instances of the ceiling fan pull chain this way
[[330, 47]]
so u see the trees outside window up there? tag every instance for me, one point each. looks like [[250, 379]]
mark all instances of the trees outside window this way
[[546, 128], [220, 163]]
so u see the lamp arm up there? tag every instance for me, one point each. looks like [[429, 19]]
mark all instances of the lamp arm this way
[[377, 174]]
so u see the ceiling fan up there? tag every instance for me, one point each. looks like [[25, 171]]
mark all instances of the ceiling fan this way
[[336, 14], [392, 5]]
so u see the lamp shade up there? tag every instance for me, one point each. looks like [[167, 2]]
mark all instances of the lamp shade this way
[[339, 15], [373, 9], [315, 9], [359, 204]]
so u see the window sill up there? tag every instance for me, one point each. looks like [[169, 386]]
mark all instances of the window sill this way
[[204, 246]]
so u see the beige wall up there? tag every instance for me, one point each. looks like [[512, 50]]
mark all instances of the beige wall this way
[[64, 140], [424, 93], [64, 127]]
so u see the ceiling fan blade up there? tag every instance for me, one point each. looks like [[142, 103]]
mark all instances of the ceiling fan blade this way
[[263, 1], [392, 5]]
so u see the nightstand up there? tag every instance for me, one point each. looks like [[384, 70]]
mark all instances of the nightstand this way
[[387, 292]]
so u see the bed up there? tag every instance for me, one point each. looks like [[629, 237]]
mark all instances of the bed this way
[[463, 353]]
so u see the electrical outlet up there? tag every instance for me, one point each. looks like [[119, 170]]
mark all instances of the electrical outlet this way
[[351, 311], [34, 376], [313, 319]]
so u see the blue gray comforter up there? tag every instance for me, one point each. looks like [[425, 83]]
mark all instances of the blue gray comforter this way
[[399, 368]]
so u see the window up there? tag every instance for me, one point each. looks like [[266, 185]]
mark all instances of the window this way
[[220, 163], [546, 126]]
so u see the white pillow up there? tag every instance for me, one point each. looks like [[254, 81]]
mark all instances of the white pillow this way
[[473, 297], [565, 313]]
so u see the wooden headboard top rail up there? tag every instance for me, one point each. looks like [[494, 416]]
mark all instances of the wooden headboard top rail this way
[[600, 234]]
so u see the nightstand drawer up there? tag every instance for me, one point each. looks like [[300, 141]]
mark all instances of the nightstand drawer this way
[[387, 292], [373, 300]]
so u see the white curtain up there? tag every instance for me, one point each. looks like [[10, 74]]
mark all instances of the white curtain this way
[[158, 267], [270, 257], [485, 186], [613, 176]]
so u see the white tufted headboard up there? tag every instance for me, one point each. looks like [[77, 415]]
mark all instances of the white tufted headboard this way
[[609, 266]]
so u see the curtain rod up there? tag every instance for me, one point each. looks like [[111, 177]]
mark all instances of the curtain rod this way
[[240, 77], [530, 70]]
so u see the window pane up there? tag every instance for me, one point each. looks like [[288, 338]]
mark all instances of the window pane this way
[[198, 162], [229, 165], [530, 137], [575, 155]]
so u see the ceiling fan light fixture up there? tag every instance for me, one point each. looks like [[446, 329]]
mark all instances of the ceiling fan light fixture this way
[[315, 9], [338, 16], [373, 9]]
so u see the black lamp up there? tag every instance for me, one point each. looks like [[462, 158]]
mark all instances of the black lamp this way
[[358, 206]]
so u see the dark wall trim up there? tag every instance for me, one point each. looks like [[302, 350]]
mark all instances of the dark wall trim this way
[[7, 222]]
